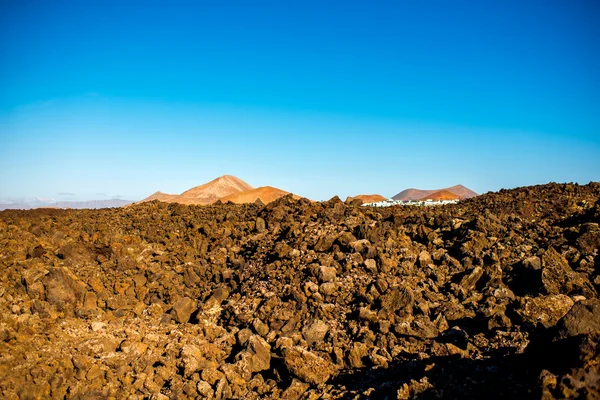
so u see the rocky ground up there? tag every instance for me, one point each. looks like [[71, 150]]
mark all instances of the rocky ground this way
[[494, 297]]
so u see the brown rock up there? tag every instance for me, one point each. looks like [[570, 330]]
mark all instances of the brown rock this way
[[371, 265], [315, 332], [183, 309], [256, 357], [90, 301], [260, 351], [357, 352], [328, 288], [424, 259], [326, 274], [324, 243], [558, 277], [193, 359], [397, 299], [307, 366], [360, 245], [94, 372], [211, 375], [99, 346], [295, 390], [260, 327], [261, 226], [583, 318], [63, 288], [469, 281], [545, 310], [205, 389], [133, 347]]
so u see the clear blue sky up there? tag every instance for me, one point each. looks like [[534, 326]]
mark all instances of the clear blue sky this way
[[123, 98]]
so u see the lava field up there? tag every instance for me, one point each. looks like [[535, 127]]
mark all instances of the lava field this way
[[493, 297]]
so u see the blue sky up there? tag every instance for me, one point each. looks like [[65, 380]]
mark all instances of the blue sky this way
[[322, 98]]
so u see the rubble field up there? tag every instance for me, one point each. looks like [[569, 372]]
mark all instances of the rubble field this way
[[493, 297]]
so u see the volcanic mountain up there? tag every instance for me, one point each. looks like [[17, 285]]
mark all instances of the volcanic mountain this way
[[367, 198], [213, 190], [225, 188], [418, 194]]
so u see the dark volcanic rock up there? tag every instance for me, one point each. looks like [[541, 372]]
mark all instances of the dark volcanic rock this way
[[584, 318], [558, 277]]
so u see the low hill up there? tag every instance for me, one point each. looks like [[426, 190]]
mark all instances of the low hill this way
[[368, 198], [266, 194], [418, 194], [160, 196]]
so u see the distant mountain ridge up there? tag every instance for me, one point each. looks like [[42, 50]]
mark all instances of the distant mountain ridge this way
[[460, 191], [92, 204]]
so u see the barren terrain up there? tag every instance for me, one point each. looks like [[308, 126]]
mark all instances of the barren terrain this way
[[494, 297]]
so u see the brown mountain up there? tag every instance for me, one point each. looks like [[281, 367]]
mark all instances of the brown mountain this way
[[266, 194], [367, 198], [225, 188], [441, 195], [418, 194], [213, 190]]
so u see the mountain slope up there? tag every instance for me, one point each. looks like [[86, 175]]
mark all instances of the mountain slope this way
[[418, 194], [462, 191], [266, 194], [441, 195]]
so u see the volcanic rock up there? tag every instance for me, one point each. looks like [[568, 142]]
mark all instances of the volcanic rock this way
[[558, 277], [584, 318], [307, 366], [183, 309]]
